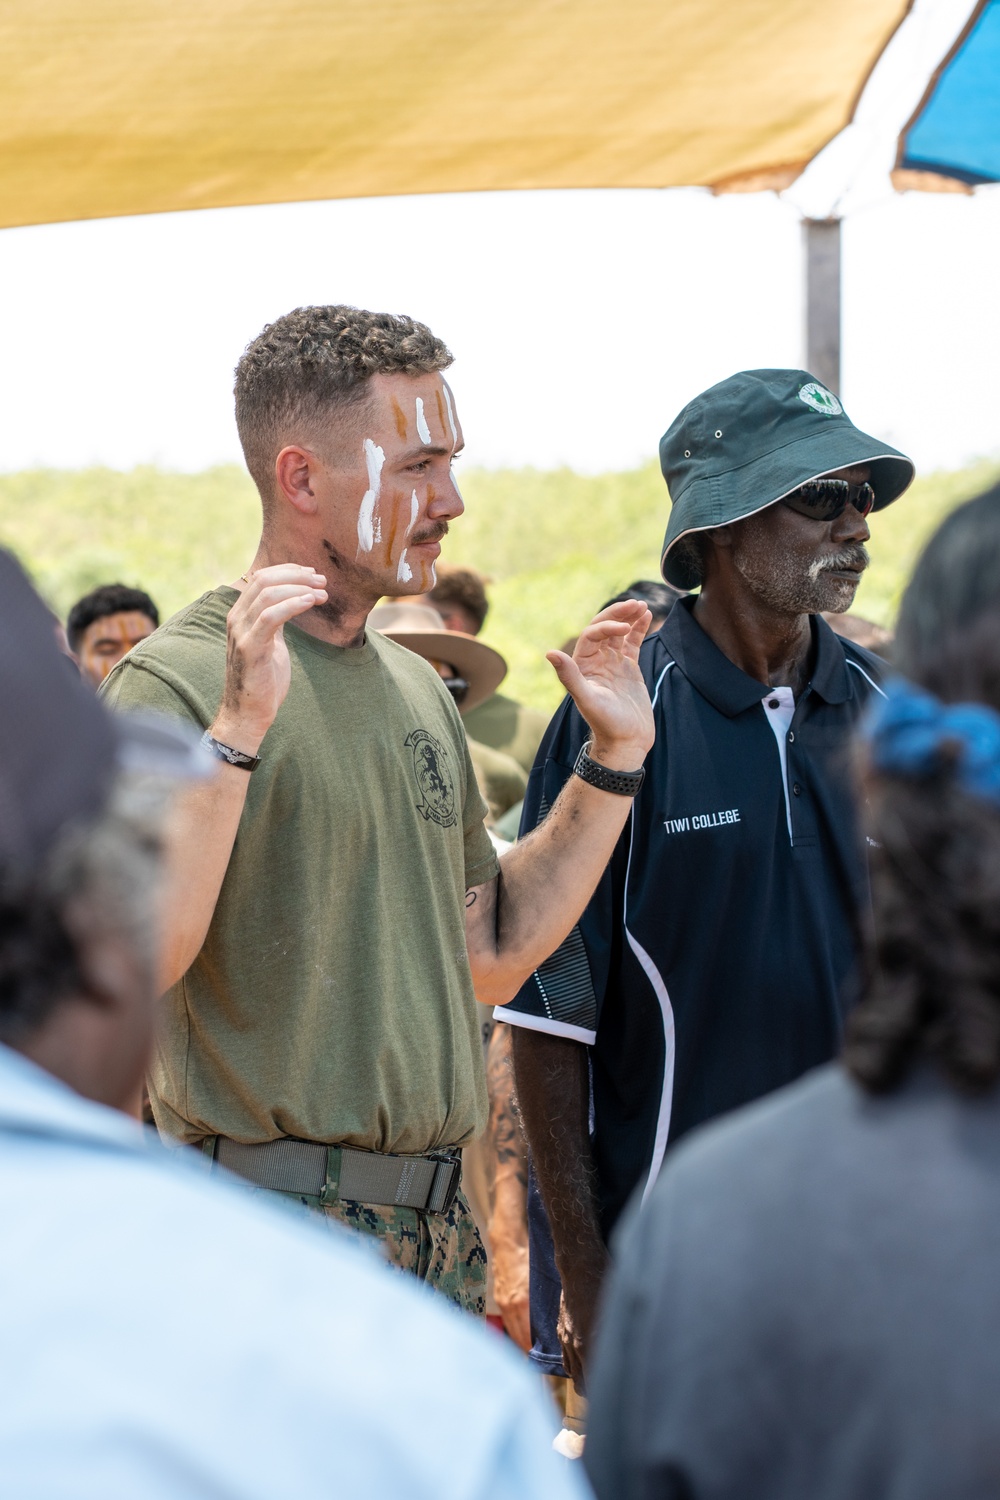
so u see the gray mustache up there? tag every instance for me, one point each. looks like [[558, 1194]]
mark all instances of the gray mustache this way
[[847, 557]]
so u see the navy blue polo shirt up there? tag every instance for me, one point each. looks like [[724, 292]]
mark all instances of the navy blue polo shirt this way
[[716, 960]]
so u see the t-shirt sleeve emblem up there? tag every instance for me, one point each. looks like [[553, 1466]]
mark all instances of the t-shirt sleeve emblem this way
[[435, 782]]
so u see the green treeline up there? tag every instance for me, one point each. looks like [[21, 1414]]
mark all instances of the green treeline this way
[[555, 543]]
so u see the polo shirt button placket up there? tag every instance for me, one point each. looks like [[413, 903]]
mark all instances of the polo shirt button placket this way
[[780, 706]]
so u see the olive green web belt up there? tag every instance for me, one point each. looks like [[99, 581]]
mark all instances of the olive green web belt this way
[[332, 1172]]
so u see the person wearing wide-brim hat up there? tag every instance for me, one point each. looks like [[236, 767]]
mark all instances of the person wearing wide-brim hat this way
[[475, 666], [472, 672], [716, 960]]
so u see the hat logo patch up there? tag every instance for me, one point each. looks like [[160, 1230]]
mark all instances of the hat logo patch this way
[[820, 399]]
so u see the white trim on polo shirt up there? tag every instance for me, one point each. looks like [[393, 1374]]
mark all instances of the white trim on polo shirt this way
[[542, 1023], [659, 988], [858, 668], [779, 718]]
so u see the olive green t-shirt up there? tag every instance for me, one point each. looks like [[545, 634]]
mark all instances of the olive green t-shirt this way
[[332, 999]]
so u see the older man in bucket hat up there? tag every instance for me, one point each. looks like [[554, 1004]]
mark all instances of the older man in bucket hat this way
[[716, 959]]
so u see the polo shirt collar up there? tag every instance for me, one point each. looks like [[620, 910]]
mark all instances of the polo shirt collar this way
[[722, 683], [830, 678]]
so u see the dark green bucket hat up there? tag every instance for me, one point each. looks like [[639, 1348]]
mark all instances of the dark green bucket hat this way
[[750, 440]]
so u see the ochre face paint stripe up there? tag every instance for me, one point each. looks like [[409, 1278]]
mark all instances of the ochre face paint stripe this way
[[397, 412]]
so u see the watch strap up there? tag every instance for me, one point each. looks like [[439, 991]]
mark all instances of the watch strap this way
[[623, 783], [229, 755]]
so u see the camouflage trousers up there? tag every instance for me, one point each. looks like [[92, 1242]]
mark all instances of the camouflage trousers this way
[[444, 1250]]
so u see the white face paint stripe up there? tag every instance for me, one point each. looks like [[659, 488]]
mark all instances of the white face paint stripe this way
[[451, 414], [423, 430], [414, 509], [374, 458], [404, 572]]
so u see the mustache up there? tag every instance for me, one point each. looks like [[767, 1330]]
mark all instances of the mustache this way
[[855, 557], [433, 533]]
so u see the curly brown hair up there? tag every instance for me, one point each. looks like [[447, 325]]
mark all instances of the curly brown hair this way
[[312, 360], [932, 985], [464, 588]]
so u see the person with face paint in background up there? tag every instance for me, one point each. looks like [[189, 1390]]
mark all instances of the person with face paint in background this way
[[343, 905], [105, 624]]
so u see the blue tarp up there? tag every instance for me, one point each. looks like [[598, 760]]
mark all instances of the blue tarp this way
[[956, 130]]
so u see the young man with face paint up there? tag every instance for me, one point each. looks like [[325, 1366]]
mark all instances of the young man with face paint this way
[[717, 958], [105, 624], [343, 903]]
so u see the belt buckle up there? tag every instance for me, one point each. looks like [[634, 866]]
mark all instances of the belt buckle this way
[[454, 1160]]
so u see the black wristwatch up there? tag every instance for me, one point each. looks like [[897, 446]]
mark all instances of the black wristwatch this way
[[624, 783], [229, 755]]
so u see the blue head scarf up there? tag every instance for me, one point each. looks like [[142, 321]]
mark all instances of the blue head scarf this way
[[909, 729]]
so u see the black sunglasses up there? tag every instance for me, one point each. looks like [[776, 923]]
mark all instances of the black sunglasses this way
[[826, 499], [458, 688]]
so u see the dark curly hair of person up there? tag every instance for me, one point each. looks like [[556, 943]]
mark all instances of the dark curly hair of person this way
[[38, 960], [312, 360], [931, 991], [108, 599], [98, 884]]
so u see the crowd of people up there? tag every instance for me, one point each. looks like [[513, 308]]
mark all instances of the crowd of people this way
[[404, 977]]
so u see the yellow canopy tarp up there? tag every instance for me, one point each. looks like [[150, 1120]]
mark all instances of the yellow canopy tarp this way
[[140, 106]]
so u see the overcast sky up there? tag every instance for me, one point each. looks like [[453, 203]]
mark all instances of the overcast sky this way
[[580, 321]]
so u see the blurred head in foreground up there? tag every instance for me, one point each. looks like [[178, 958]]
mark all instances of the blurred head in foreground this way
[[933, 779], [83, 803], [105, 624]]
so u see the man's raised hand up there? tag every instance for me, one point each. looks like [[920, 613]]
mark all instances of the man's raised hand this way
[[258, 670], [603, 679]]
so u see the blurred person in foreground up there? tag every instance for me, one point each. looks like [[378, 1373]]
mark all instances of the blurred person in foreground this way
[[470, 670], [105, 624], [344, 903], [808, 1304], [717, 959], [133, 1365]]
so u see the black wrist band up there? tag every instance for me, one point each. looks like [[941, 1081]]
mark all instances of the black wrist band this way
[[229, 755], [625, 783]]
